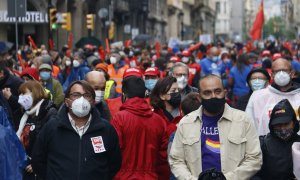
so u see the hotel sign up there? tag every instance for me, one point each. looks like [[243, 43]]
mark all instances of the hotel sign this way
[[35, 17]]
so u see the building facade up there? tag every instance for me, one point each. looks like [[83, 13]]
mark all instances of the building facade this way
[[117, 20], [250, 14], [237, 20], [222, 26], [296, 14], [203, 17]]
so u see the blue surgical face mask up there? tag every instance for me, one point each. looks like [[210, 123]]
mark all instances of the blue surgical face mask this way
[[215, 58], [45, 75], [257, 84], [150, 83]]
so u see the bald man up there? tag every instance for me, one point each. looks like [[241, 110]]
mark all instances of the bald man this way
[[262, 101], [212, 64], [97, 80]]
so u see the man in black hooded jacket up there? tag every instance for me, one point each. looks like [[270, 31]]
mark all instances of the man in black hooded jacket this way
[[277, 145]]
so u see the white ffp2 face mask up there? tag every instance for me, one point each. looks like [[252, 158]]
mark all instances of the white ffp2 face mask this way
[[113, 60], [76, 63], [282, 78], [81, 107], [99, 96], [68, 63], [182, 82], [25, 101]]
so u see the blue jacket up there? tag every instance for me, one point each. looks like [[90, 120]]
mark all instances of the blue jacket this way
[[210, 67], [76, 74], [12, 154], [296, 65]]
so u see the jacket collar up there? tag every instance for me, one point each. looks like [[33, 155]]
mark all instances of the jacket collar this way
[[97, 123], [197, 115]]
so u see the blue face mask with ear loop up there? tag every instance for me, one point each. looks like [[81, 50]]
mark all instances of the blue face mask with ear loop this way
[[257, 84], [45, 75], [150, 83]]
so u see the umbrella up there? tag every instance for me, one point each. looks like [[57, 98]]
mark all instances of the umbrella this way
[[5, 46], [88, 40], [142, 37]]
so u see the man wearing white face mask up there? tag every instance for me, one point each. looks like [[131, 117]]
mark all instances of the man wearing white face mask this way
[[77, 143], [116, 69], [263, 101], [181, 72], [78, 71], [97, 80]]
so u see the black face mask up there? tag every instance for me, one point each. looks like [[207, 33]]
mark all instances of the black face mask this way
[[175, 99], [213, 105]]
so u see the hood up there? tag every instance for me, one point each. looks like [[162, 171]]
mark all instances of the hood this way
[[137, 106], [295, 89], [281, 112]]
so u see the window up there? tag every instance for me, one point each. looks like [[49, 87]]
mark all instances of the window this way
[[225, 7], [218, 7]]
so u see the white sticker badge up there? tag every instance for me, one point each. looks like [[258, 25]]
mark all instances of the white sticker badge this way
[[98, 144]]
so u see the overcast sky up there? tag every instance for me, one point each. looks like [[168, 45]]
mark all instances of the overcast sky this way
[[271, 8]]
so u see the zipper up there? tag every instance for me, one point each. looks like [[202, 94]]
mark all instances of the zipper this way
[[79, 158]]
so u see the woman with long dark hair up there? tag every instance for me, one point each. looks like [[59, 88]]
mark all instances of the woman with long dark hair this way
[[165, 98]]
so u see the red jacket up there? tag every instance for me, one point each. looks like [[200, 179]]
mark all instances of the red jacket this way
[[171, 125], [143, 141]]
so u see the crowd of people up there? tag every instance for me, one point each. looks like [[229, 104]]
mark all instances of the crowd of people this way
[[199, 112]]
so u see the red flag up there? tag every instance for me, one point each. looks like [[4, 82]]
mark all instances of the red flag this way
[[157, 48], [50, 41], [127, 43], [31, 41], [249, 46], [107, 46], [70, 40], [21, 60], [194, 47], [256, 30], [102, 54]]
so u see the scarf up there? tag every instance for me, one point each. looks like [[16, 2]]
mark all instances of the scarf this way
[[35, 109]]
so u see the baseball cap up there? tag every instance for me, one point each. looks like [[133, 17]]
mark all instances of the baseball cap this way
[[45, 66], [282, 112], [276, 56], [266, 53], [151, 71], [175, 59], [132, 72]]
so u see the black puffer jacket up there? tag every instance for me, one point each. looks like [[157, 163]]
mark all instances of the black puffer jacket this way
[[60, 153]]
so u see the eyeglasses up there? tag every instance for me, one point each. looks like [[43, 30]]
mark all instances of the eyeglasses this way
[[179, 75], [284, 70], [76, 95]]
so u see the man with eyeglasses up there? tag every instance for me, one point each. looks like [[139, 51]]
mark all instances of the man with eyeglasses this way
[[262, 101], [77, 143], [181, 72]]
